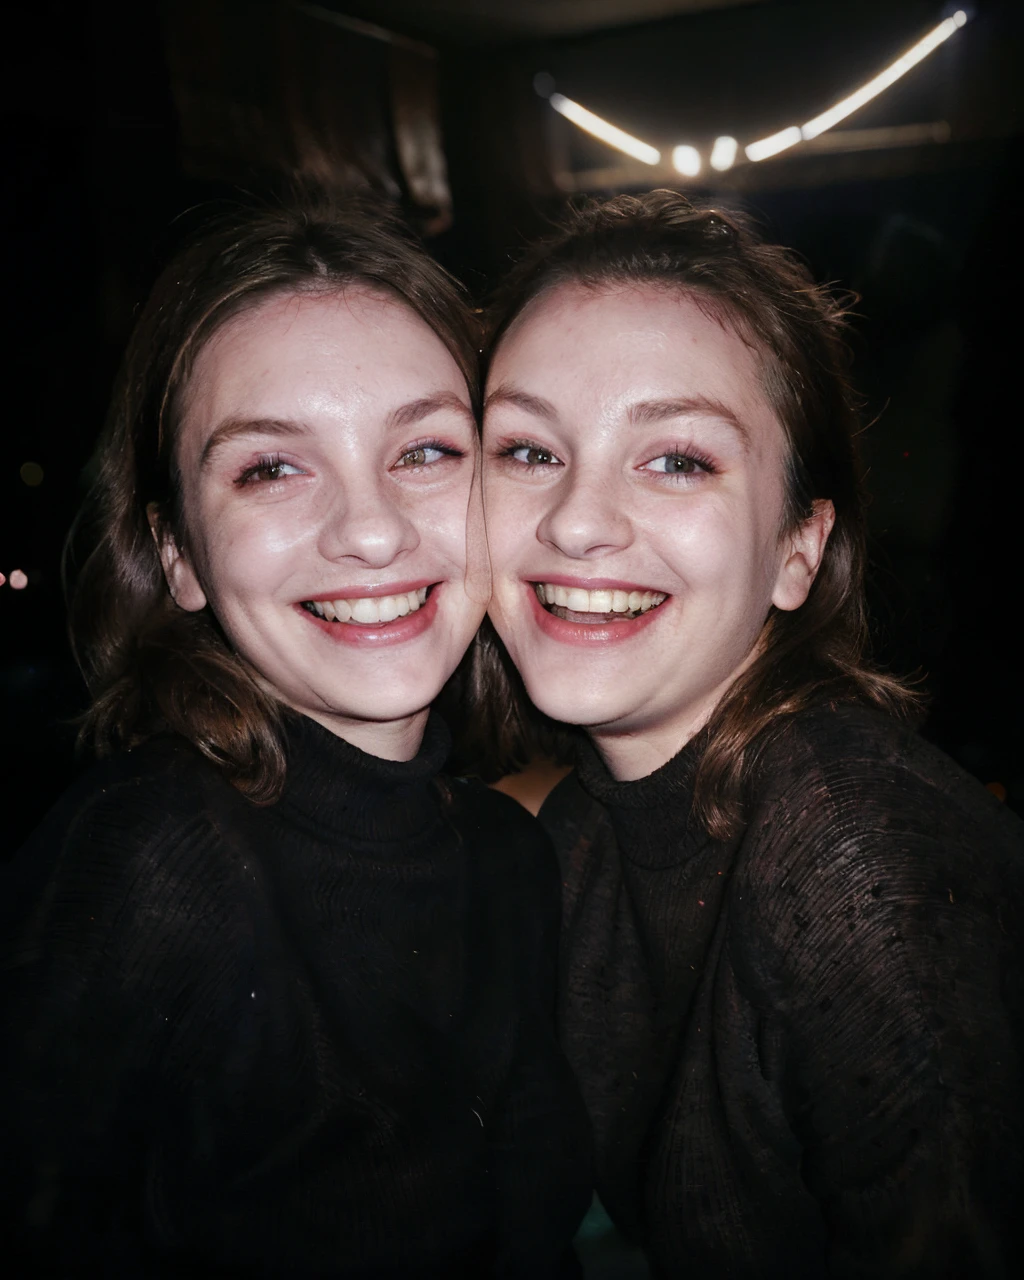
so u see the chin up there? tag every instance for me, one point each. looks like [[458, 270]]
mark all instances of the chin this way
[[575, 705]]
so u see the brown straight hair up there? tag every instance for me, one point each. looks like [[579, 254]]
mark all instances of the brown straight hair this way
[[149, 665], [819, 652]]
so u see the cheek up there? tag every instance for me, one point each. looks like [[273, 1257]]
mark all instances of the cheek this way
[[252, 550], [511, 515], [440, 522], [715, 548], [700, 537]]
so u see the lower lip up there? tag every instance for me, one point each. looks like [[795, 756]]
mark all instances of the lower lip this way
[[376, 634], [584, 633]]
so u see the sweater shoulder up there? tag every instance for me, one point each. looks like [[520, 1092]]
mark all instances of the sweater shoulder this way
[[135, 798], [857, 826], [134, 837], [857, 773]]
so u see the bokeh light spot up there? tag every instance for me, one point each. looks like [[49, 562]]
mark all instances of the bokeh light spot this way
[[31, 474], [19, 580]]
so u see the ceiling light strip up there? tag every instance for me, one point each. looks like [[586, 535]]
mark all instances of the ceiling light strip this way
[[599, 128]]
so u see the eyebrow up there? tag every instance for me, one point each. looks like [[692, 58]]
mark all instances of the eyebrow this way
[[408, 415], [642, 413], [405, 415], [505, 393], [645, 412], [231, 428]]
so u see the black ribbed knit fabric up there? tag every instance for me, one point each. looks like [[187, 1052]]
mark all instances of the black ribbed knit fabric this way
[[311, 1039], [802, 1050]]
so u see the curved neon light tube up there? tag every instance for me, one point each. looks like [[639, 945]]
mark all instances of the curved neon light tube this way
[[593, 124], [785, 138]]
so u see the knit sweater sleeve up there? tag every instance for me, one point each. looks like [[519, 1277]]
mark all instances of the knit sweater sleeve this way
[[112, 947], [873, 932]]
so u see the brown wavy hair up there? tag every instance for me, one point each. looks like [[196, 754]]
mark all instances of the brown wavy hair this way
[[815, 654], [148, 664]]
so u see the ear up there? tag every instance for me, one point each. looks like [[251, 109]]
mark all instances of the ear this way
[[805, 548], [185, 588]]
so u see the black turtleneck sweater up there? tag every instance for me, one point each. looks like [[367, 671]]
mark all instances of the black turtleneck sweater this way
[[801, 1050], [311, 1039]]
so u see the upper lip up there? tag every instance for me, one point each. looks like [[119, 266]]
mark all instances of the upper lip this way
[[366, 593], [591, 584]]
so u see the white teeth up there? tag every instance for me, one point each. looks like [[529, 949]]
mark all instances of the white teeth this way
[[370, 609], [580, 600], [367, 610]]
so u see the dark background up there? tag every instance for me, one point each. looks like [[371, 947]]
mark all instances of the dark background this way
[[121, 121]]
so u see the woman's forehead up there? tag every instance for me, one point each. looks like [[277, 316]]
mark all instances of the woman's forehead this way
[[637, 341]]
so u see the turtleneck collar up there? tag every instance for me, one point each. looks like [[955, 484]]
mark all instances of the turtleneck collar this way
[[652, 816], [332, 785]]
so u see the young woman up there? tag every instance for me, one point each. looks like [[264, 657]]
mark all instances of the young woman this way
[[275, 996], [792, 982]]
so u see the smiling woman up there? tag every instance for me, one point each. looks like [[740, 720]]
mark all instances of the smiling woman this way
[[275, 995], [792, 966]]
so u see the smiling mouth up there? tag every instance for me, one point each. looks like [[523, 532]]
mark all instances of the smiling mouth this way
[[575, 604], [369, 611]]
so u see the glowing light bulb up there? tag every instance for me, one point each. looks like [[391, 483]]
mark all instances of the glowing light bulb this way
[[686, 160], [723, 153]]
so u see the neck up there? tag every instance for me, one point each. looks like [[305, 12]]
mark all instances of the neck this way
[[629, 756], [631, 752], [388, 740]]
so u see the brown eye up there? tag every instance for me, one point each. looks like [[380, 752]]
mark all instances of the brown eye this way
[[424, 454], [533, 455], [267, 470]]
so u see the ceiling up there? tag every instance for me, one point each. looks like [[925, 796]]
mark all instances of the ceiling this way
[[501, 21]]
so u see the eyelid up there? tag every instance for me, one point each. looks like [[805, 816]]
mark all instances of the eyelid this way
[[507, 448], [445, 447], [702, 462], [264, 462]]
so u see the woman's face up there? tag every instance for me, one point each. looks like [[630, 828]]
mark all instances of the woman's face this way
[[634, 498], [327, 452]]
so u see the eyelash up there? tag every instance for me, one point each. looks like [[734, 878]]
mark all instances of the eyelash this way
[[449, 451], [265, 462], [513, 446], [268, 461], [700, 460]]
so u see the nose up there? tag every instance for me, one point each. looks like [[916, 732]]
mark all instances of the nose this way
[[586, 518], [366, 524]]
